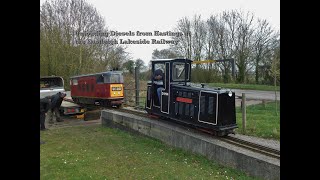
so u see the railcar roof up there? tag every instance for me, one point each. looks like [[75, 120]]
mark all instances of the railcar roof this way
[[153, 60], [106, 72], [50, 77]]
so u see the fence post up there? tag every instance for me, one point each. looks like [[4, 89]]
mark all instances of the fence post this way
[[264, 103], [244, 115], [125, 96], [137, 85]]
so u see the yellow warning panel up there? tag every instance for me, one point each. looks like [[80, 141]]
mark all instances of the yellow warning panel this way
[[116, 90]]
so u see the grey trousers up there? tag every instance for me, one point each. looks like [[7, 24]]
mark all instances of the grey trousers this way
[[53, 114]]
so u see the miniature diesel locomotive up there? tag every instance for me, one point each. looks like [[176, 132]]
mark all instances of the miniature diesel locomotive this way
[[181, 101], [105, 88]]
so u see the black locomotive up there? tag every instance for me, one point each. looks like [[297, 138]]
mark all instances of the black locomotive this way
[[179, 100]]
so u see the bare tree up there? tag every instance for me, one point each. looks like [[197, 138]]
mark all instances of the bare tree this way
[[184, 46], [220, 44], [198, 38], [265, 63], [240, 25], [262, 39], [275, 68], [231, 34], [117, 57], [164, 54], [59, 23], [73, 39], [140, 65]]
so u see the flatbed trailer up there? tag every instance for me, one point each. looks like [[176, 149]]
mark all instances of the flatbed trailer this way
[[69, 108]]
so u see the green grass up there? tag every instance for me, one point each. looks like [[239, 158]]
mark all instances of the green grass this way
[[245, 86], [95, 152], [261, 121]]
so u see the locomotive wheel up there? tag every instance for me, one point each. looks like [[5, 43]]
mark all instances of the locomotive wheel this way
[[105, 103]]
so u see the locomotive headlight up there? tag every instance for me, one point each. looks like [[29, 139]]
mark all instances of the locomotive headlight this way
[[230, 93]]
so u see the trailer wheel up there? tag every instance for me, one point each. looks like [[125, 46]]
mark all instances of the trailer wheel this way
[[119, 106], [84, 117]]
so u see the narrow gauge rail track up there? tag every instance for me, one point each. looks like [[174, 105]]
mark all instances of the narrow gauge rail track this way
[[252, 146], [228, 139]]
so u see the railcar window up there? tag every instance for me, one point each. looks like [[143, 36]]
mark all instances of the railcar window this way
[[113, 78], [179, 72], [83, 88], [92, 87], [74, 81], [87, 86], [99, 79]]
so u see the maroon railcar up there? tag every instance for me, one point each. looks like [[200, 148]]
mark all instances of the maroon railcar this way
[[105, 88]]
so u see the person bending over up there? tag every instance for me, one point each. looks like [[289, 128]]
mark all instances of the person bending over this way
[[56, 101]]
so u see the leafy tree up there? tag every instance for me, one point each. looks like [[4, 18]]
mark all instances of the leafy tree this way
[[129, 65], [66, 48]]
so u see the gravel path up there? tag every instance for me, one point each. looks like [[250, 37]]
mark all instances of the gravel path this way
[[259, 95]]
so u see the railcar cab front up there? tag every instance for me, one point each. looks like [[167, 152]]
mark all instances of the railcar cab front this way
[[174, 71]]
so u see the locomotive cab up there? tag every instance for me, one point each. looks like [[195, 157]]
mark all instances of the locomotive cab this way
[[180, 74], [181, 101]]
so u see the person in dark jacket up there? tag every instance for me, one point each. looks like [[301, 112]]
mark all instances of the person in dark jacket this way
[[44, 107], [158, 77], [56, 101]]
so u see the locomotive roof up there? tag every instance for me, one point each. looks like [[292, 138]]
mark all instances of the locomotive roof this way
[[106, 72], [50, 77], [154, 60]]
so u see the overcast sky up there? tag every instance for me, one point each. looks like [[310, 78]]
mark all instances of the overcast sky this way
[[162, 15]]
